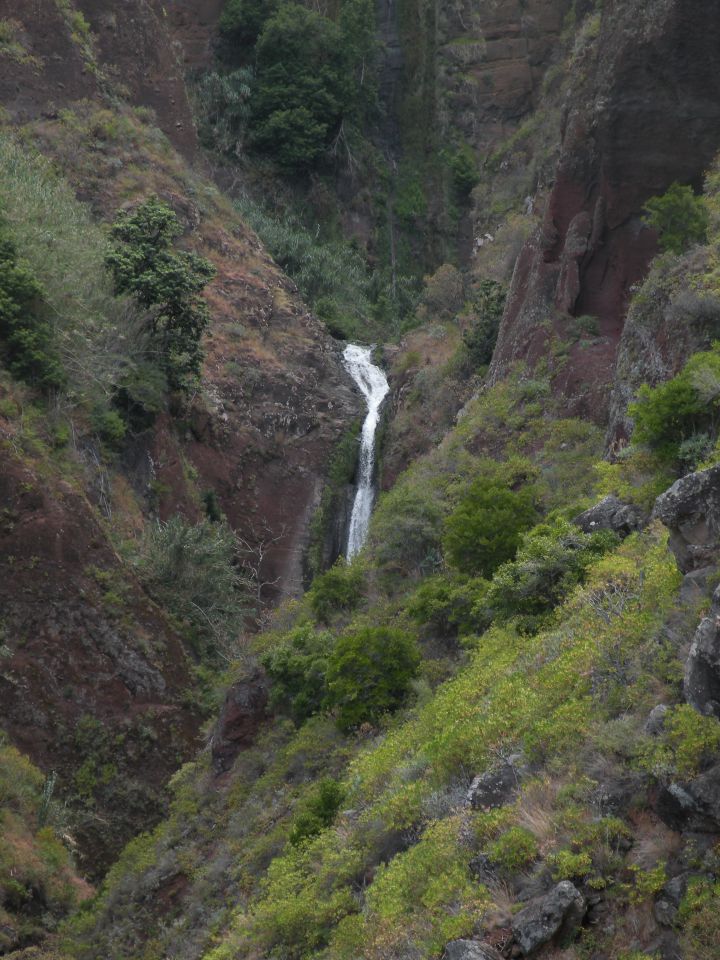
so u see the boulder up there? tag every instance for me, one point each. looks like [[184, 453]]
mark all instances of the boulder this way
[[498, 786], [470, 950], [702, 669], [655, 723], [611, 514], [243, 711], [556, 916], [692, 805], [690, 509]]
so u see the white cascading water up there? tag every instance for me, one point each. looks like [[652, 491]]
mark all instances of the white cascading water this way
[[374, 386]]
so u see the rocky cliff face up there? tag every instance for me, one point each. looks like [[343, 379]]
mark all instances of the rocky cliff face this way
[[645, 113]]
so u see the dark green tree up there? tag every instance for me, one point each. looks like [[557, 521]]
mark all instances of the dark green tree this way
[[369, 673], [485, 528], [297, 665], [167, 282], [488, 302], [303, 87]]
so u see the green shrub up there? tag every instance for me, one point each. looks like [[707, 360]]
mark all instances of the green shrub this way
[[550, 562], [339, 588], [451, 605], [165, 282], [680, 218], [700, 920], [223, 101], [514, 850], [486, 527], [567, 865], [676, 412], [297, 664], [464, 169], [317, 811], [406, 529], [479, 339], [192, 570], [369, 674], [28, 337], [109, 426]]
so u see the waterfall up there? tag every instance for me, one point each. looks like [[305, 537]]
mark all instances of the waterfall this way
[[374, 386]]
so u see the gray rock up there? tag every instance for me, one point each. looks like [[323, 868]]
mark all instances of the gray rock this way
[[498, 786], [665, 913], [611, 514], [693, 805], [556, 916], [470, 950], [695, 585], [702, 669], [690, 509], [674, 890], [655, 723]]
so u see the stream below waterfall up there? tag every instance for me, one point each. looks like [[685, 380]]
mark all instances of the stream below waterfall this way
[[374, 386]]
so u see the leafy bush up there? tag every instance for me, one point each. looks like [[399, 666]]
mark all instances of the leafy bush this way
[[97, 338], [485, 528], [317, 811], [369, 674], [550, 562], [223, 101], [31, 353], [480, 337], [700, 920], [339, 588], [669, 416], [464, 169], [680, 218], [297, 664], [192, 570], [451, 605], [514, 850], [164, 281], [406, 529], [331, 275]]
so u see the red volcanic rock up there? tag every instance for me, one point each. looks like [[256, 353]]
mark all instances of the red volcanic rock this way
[[646, 113], [242, 714]]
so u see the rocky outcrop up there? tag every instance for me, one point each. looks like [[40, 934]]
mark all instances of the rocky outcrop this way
[[690, 509], [692, 805], [702, 669], [496, 787], [554, 917], [244, 710], [611, 514], [470, 950], [632, 127]]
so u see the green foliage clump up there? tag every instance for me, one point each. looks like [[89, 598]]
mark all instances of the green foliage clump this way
[[689, 739], [338, 589], [551, 560], [369, 674], [451, 604], [164, 281], [514, 850], [27, 334], [680, 411], [680, 218], [406, 530], [569, 865], [464, 169], [297, 664], [486, 527], [486, 310], [302, 86], [223, 101], [192, 570], [331, 274], [699, 917], [317, 810]]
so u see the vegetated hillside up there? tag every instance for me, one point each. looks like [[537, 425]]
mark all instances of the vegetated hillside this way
[[496, 732], [169, 410]]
